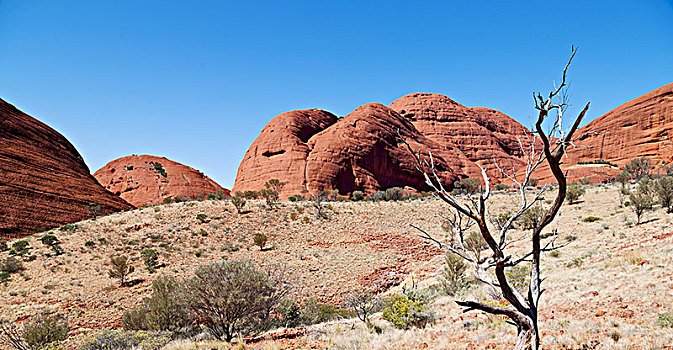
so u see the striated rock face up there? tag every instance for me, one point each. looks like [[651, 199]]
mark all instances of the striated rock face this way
[[311, 151], [143, 180], [642, 127], [44, 182], [480, 134], [281, 150]]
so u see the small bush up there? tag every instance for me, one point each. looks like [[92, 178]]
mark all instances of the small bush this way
[[166, 310], [641, 202], [364, 304], [501, 187], [151, 259], [313, 312], [69, 228], [475, 243], [591, 219], [453, 278], [120, 268], [11, 265], [585, 181], [211, 196], [292, 198], [45, 330], [202, 217], [3, 246], [665, 320], [270, 196], [468, 186], [21, 247], [135, 320], [260, 240], [573, 194], [378, 196], [357, 196], [251, 194], [238, 201], [395, 194], [518, 277], [289, 313], [89, 244], [405, 313], [664, 190], [531, 217], [639, 168], [127, 340], [533, 182]]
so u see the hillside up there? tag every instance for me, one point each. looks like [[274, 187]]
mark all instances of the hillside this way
[[613, 278]]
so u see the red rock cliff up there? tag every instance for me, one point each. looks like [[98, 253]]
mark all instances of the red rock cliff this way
[[44, 182]]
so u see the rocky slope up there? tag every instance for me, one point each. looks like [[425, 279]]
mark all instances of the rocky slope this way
[[44, 182], [143, 180]]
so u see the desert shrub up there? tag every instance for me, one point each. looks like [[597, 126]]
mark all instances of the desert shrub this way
[[531, 217], [585, 181], [127, 340], [357, 195], [591, 219], [468, 186], [52, 242], [378, 196], [502, 218], [166, 311], [518, 277], [89, 244], [665, 320], [4, 276], [501, 187], [275, 185], [211, 196], [202, 217], [45, 330], [69, 228], [318, 202], [664, 190], [21, 247], [292, 198], [313, 312], [270, 196], [238, 201], [639, 168], [11, 265], [135, 319], [623, 177], [533, 182], [395, 194], [251, 194], [150, 258], [405, 313], [573, 193], [289, 313], [453, 278], [229, 297], [475, 243], [260, 240], [3, 246], [641, 202], [364, 305], [120, 268]]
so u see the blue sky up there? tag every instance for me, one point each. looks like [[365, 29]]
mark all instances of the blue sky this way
[[196, 81]]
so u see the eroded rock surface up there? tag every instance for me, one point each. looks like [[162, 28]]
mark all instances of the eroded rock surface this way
[[44, 182], [144, 180]]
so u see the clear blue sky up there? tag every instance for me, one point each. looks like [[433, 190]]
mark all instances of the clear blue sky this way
[[196, 81]]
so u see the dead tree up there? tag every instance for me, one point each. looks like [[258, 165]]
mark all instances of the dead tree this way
[[472, 210]]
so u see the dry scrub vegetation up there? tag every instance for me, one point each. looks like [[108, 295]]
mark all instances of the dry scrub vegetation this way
[[609, 288]]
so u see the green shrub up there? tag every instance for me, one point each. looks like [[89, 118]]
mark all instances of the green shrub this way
[[639, 168], [405, 313], [45, 330], [531, 217], [270, 196], [533, 182], [641, 202], [313, 312], [573, 193], [357, 195], [4, 276], [21, 247], [120, 268], [260, 240], [211, 196], [395, 194], [69, 228], [292, 198], [11, 265], [475, 243], [238, 201], [166, 310], [234, 288], [378, 196], [89, 244], [591, 219], [151, 259], [585, 181], [251, 194], [202, 217], [468, 186], [289, 313], [453, 278], [127, 340], [518, 277], [665, 320], [135, 320], [664, 190], [501, 187], [364, 305]]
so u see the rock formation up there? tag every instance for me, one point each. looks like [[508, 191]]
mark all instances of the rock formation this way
[[642, 127], [44, 182], [144, 180]]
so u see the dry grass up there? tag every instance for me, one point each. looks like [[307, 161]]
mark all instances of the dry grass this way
[[609, 285]]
